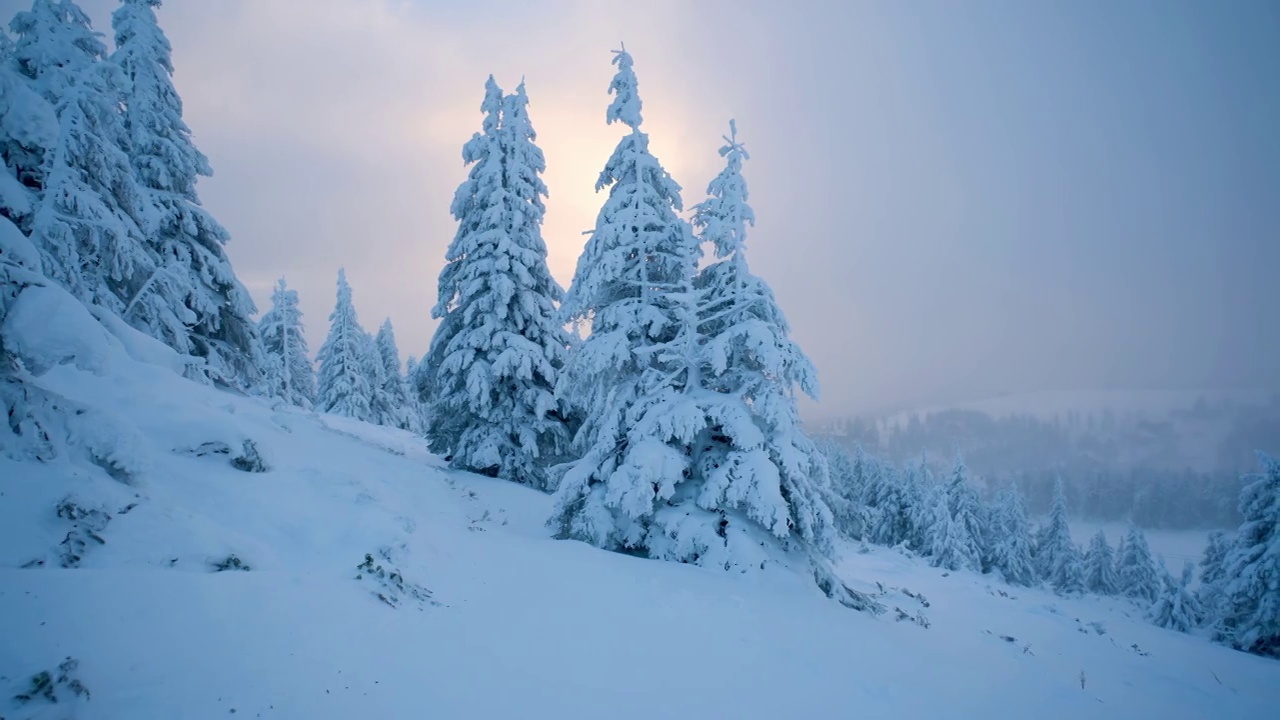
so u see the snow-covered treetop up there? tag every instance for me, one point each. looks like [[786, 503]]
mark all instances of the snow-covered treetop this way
[[724, 216], [55, 43], [626, 98], [165, 155]]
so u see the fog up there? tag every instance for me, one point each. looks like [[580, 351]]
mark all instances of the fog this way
[[955, 200]]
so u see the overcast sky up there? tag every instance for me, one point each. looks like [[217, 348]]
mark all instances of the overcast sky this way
[[955, 199]]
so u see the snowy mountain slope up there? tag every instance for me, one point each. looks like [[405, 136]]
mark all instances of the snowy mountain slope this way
[[488, 616]]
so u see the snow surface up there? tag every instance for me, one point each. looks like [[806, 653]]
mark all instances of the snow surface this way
[[515, 624]]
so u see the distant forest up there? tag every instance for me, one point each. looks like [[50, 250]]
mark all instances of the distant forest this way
[[1180, 469]]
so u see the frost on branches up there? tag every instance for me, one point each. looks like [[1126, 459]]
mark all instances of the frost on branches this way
[[344, 384], [1136, 569], [393, 405], [89, 213], [489, 377], [288, 372], [1011, 540], [1057, 556], [1177, 607], [191, 298], [1099, 567], [1251, 604], [690, 448]]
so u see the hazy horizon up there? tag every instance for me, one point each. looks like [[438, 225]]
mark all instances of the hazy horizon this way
[[955, 201]]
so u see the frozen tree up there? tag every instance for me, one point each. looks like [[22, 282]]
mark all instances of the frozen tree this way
[[950, 545], [28, 130], [191, 298], [401, 409], [1100, 567], [289, 373], [1177, 607], [90, 215], [1250, 611], [344, 359], [1212, 575], [1057, 557], [1136, 569], [690, 448], [493, 363], [1011, 540], [967, 512], [848, 476]]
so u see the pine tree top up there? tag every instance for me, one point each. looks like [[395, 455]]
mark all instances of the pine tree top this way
[[626, 104]]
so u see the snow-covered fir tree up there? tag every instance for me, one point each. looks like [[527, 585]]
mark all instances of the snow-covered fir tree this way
[[1211, 593], [343, 386], [288, 372], [1100, 567], [690, 448], [1177, 607], [1057, 556], [1011, 540], [401, 410], [191, 298], [28, 130], [891, 515], [1250, 610], [1135, 568], [493, 363], [966, 511], [848, 477], [90, 214], [949, 544]]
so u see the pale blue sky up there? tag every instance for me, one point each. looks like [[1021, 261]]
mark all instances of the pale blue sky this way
[[956, 199]]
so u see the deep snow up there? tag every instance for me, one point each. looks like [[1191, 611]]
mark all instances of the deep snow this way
[[508, 622]]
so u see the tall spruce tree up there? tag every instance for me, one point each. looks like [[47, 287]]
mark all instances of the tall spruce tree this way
[[1177, 607], [191, 298], [1250, 611], [1212, 590], [402, 410], [90, 215], [688, 450], [1100, 567], [28, 130], [1057, 556], [967, 513], [1011, 540], [343, 387], [1136, 569], [492, 367], [289, 373]]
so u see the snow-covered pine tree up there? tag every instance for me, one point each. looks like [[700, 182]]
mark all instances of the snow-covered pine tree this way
[[1211, 592], [28, 130], [1136, 569], [1011, 540], [1057, 556], [191, 299], [493, 363], [967, 513], [949, 545], [1100, 567], [1250, 615], [1177, 607], [90, 215], [848, 477], [403, 411], [685, 455], [343, 383], [290, 374]]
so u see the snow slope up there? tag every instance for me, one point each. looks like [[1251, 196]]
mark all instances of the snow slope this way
[[491, 617]]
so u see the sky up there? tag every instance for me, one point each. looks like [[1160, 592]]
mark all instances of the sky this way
[[955, 200]]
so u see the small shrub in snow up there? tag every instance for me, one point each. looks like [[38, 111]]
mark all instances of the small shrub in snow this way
[[44, 685], [249, 459], [389, 585], [230, 562]]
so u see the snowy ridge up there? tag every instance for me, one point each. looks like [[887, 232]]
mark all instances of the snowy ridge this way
[[492, 617]]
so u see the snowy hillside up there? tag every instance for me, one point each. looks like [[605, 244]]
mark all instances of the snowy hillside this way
[[477, 612]]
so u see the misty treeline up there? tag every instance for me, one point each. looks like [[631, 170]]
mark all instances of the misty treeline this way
[[941, 517], [1177, 470], [665, 422]]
